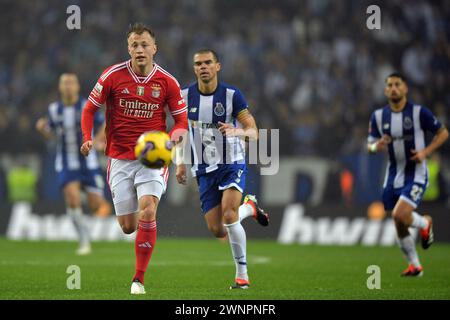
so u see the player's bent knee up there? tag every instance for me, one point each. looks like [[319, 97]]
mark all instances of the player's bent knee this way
[[399, 217], [128, 228], [230, 216], [396, 216], [148, 213], [95, 203], [218, 231]]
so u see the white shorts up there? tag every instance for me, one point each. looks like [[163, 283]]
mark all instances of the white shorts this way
[[129, 180]]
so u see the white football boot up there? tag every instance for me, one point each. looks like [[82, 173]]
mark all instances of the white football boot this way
[[137, 288], [84, 249]]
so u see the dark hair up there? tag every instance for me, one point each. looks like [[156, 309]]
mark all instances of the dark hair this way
[[140, 28], [397, 75], [206, 50]]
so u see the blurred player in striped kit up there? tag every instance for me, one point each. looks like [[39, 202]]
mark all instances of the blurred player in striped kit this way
[[399, 128], [75, 172], [219, 121]]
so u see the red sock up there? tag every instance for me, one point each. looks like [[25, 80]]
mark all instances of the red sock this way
[[143, 247]]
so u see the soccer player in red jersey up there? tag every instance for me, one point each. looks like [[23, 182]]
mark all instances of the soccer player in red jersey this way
[[135, 93]]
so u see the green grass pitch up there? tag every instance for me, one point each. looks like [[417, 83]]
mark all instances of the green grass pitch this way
[[202, 269]]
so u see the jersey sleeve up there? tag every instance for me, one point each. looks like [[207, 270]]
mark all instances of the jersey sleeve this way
[[428, 121], [175, 100], [101, 90], [87, 120], [239, 103], [178, 109], [51, 121], [52, 113], [374, 133]]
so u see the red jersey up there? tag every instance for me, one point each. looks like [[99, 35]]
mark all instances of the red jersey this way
[[134, 105]]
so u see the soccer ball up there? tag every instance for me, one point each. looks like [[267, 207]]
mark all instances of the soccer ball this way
[[154, 149]]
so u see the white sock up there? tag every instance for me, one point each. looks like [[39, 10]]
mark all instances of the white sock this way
[[419, 221], [245, 211], [80, 226], [238, 243], [409, 249]]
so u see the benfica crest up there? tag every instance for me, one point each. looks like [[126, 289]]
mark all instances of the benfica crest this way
[[156, 91]]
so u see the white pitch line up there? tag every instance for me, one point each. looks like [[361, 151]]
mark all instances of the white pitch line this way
[[218, 263]]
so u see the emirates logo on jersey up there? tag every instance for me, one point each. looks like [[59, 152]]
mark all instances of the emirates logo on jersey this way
[[136, 104], [137, 108]]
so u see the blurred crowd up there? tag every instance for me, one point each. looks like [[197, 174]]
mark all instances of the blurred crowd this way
[[310, 68]]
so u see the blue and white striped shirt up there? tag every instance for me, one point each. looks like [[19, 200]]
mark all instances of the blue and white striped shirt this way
[[209, 147], [65, 121], [407, 130]]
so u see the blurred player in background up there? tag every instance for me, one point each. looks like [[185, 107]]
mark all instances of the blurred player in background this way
[[399, 128], [214, 108], [135, 93], [75, 172]]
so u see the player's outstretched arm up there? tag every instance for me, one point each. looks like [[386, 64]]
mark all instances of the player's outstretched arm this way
[[178, 136], [87, 124], [86, 147], [440, 137], [181, 174], [178, 133], [179, 160]]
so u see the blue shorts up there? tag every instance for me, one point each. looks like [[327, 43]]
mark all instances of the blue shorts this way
[[91, 180], [411, 193], [211, 185]]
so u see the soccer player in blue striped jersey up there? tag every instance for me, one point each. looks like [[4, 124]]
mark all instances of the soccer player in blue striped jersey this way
[[74, 171], [399, 128], [219, 122]]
